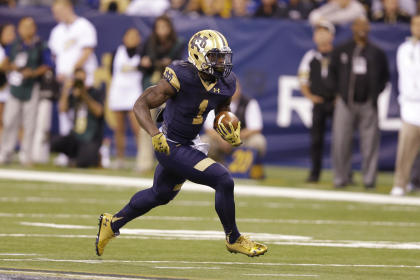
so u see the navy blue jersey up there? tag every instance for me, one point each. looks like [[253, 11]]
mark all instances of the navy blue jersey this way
[[187, 110]]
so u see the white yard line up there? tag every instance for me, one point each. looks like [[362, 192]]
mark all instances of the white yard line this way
[[208, 235], [61, 226], [177, 234], [256, 190], [47, 215], [354, 244], [187, 267], [17, 254], [99, 261], [280, 275], [242, 220], [33, 199]]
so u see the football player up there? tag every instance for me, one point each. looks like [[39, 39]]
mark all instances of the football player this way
[[190, 89]]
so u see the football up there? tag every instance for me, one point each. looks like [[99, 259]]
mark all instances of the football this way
[[226, 117]]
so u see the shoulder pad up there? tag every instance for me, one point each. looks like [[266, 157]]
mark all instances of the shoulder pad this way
[[179, 72], [171, 77]]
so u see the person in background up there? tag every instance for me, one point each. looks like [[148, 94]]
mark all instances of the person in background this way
[[313, 78], [7, 36], [8, 3], [148, 8], [162, 47], [28, 58], [338, 12], [249, 114], [210, 8], [408, 7], [177, 8], [35, 2], [240, 8], [113, 6], [82, 144], [414, 184], [391, 13], [358, 73], [268, 9], [296, 9], [408, 66], [72, 42], [126, 87]]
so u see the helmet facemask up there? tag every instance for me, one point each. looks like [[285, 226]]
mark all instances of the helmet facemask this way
[[218, 62]]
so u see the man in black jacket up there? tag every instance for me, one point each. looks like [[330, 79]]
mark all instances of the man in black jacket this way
[[359, 73]]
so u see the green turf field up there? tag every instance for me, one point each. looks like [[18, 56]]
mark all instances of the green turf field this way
[[51, 226]]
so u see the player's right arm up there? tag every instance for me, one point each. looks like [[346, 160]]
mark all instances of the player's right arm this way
[[151, 98]]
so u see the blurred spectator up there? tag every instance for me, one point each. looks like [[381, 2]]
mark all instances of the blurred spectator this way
[[313, 78], [113, 6], [72, 42], [405, 6], [249, 113], [408, 66], [48, 92], [126, 87], [147, 7], [28, 58], [338, 12], [240, 8], [220, 8], [9, 3], [391, 13], [359, 73], [162, 47], [35, 2], [83, 143], [414, 184], [269, 9], [296, 9], [177, 8], [7, 36], [367, 5]]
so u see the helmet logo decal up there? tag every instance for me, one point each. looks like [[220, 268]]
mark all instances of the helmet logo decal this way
[[198, 42]]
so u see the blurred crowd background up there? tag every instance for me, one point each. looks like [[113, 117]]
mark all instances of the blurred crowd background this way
[[57, 96], [337, 11]]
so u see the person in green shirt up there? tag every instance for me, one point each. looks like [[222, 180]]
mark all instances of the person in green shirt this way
[[27, 60], [83, 143]]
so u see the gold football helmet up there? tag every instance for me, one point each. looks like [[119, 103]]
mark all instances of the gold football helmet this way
[[209, 51]]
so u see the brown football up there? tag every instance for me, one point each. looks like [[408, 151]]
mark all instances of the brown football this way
[[226, 117]]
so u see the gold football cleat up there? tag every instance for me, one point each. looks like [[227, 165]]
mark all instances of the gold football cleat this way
[[246, 246], [105, 233]]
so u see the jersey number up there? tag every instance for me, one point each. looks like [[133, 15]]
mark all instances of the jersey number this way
[[201, 108]]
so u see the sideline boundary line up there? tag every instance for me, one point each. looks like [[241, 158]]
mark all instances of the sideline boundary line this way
[[246, 190]]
